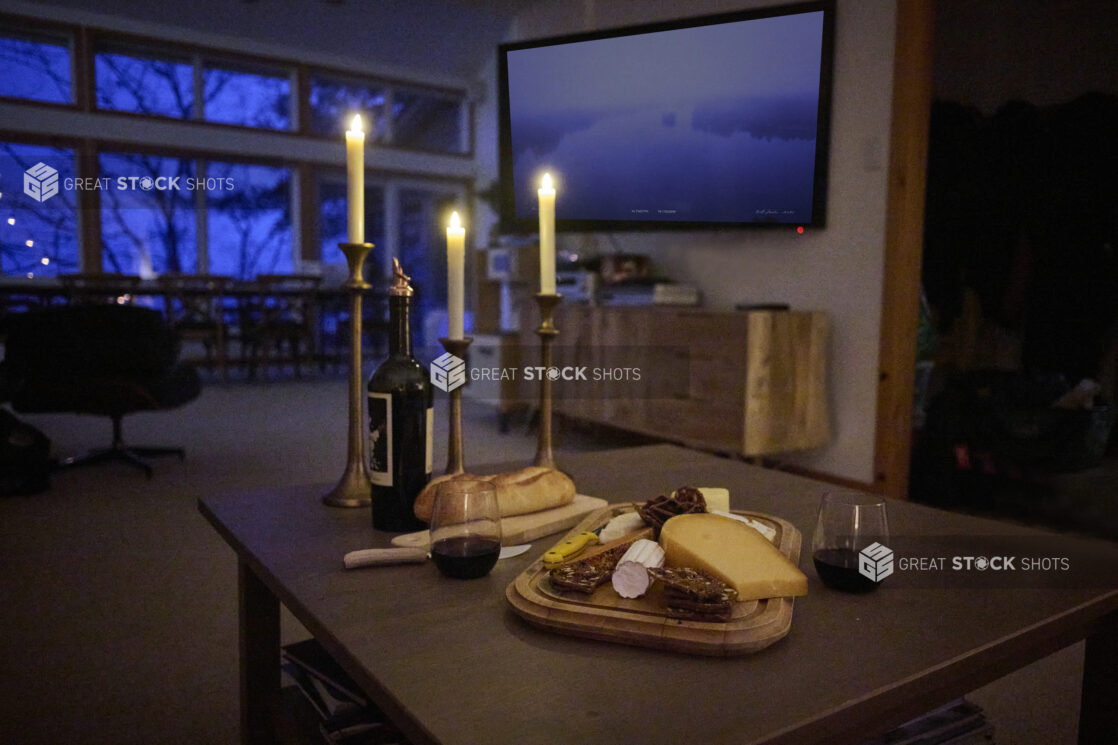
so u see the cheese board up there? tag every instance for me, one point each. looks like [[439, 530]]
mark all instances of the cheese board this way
[[525, 528], [643, 621]]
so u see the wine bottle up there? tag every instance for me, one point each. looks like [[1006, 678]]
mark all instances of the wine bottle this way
[[400, 419]]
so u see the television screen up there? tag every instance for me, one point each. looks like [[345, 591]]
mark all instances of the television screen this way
[[715, 121]]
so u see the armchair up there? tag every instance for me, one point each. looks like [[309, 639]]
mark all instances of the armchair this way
[[105, 360]]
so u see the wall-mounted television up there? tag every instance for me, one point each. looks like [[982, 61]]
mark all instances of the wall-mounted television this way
[[711, 122]]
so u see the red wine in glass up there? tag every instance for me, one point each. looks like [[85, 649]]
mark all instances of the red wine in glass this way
[[838, 568], [848, 522], [466, 557], [465, 528]]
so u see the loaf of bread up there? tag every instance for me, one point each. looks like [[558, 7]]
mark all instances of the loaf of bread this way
[[530, 489]]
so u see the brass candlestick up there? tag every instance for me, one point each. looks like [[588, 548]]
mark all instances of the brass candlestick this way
[[455, 456], [352, 490], [547, 333]]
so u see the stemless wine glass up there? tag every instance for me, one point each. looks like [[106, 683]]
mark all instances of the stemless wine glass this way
[[850, 522], [465, 528]]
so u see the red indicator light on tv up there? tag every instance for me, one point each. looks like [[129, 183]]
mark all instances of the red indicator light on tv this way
[[800, 229]]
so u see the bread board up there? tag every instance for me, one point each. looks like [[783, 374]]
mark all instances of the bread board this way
[[526, 528], [643, 621]]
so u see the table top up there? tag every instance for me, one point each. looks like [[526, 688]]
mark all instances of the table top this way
[[451, 662]]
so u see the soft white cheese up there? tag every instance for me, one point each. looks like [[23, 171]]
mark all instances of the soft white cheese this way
[[766, 530], [623, 524]]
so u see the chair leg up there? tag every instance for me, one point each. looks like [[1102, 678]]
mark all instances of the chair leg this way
[[120, 452], [105, 455], [296, 355], [222, 364]]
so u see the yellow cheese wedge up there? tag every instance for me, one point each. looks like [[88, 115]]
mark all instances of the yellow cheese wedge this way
[[734, 553]]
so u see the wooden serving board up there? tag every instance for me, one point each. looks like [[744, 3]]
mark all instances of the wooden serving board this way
[[643, 621], [526, 528]]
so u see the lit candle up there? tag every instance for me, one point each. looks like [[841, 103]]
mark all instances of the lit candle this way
[[455, 269], [547, 236], [355, 171]]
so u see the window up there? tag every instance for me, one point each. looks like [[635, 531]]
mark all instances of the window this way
[[191, 195], [333, 102], [422, 249], [420, 120], [333, 228], [333, 224], [249, 219], [147, 215], [128, 81], [35, 67], [251, 99], [150, 218], [37, 238], [427, 122]]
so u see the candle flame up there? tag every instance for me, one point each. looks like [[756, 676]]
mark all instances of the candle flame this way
[[356, 125], [455, 221], [546, 183]]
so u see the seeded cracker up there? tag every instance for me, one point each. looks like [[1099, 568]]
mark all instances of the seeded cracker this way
[[587, 575], [694, 596]]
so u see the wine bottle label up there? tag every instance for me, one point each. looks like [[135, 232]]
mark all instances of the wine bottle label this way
[[430, 438], [380, 439]]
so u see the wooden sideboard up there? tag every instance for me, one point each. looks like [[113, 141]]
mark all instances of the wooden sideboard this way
[[756, 382]]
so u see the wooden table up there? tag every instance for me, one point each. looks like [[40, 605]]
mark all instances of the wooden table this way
[[450, 663]]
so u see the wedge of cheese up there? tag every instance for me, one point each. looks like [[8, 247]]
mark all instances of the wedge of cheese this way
[[734, 553]]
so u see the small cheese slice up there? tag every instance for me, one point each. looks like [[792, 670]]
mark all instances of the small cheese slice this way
[[717, 499], [734, 553]]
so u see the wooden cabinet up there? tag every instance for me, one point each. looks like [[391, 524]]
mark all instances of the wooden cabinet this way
[[742, 383]]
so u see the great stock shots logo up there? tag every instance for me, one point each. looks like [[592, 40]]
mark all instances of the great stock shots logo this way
[[875, 562], [40, 182], [448, 372]]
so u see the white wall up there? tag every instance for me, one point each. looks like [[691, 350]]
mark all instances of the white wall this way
[[837, 269]]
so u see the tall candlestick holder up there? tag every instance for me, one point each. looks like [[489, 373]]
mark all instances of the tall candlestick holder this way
[[547, 332], [353, 488], [455, 455]]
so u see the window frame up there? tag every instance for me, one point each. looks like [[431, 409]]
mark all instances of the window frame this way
[[85, 42], [17, 26], [204, 62], [141, 53], [59, 143]]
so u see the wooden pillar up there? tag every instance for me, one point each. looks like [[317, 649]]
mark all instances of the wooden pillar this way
[[904, 238]]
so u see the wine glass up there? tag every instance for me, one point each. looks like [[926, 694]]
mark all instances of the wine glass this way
[[848, 548], [465, 528]]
